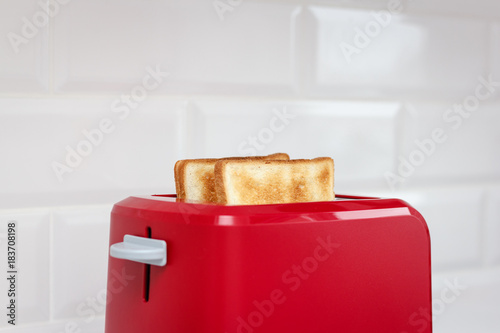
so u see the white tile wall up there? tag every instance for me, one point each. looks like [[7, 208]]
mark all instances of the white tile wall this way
[[478, 8], [203, 53], [304, 130], [137, 153], [372, 4], [23, 48], [472, 305], [226, 82], [32, 264], [353, 55], [492, 227], [80, 257], [461, 8], [459, 147], [495, 52]]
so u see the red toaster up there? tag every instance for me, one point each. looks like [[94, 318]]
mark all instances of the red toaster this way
[[355, 264]]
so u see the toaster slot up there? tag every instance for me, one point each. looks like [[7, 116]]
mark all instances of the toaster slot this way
[[147, 273]]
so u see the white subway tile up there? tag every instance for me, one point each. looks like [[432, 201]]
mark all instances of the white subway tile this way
[[105, 46], [57, 152], [382, 4], [463, 8], [80, 257], [32, 264], [477, 8], [492, 227], [465, 149], [472, 306], [361, 137], [454, 217], [495, 52], [23, 47], [401, 56]]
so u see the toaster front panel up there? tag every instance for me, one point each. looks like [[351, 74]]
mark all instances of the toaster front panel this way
[[366, 275]]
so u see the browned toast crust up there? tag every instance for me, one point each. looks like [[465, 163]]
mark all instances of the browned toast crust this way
[[178, 174]]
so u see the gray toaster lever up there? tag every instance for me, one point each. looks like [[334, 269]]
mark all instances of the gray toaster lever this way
[[141, 249]]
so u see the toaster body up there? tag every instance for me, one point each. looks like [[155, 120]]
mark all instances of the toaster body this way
[[355, 264]]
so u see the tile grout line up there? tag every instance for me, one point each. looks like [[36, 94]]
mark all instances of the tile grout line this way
[[483, 225]]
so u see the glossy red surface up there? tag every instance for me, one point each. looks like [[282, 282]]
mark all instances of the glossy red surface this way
[[351, 265]]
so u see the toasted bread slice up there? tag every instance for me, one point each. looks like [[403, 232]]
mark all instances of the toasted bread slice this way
[[194, 179], [255, 182]]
